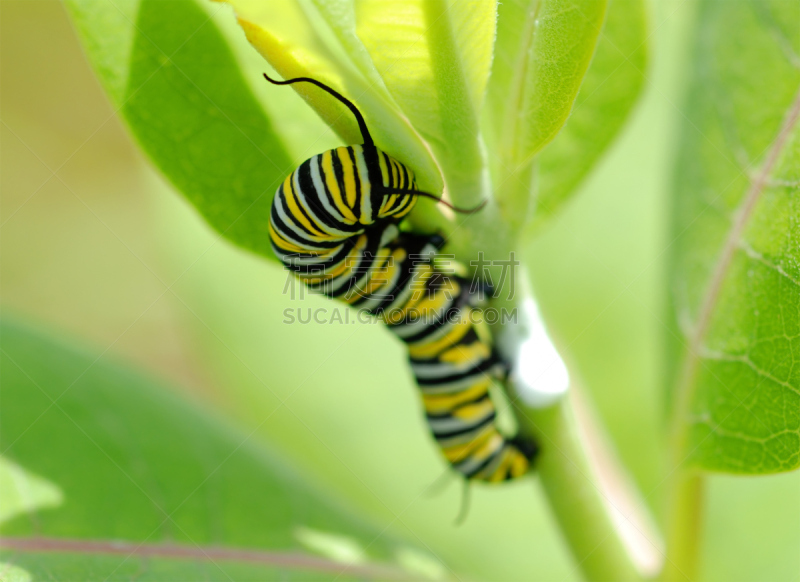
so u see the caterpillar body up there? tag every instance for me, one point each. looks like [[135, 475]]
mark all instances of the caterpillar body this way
[[334, 223]]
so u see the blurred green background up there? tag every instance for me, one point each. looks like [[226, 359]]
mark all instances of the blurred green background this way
[[98, 248]]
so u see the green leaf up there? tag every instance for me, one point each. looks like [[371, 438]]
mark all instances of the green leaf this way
[[106, 473], [435, 57], [297, 44], [610, 89], [736, 262], [543, 50], [172, 76]]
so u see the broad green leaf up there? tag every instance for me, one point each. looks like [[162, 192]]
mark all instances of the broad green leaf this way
[[736, 272], [543, 50], [340, 15], [172, 76], [435, 57], [106, 473], [610, 89], [295, 45]]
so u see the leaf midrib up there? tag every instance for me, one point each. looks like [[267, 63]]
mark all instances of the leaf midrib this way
[[686, 383], [520, 74], [291, 560]]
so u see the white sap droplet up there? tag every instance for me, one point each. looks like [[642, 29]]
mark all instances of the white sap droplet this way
[[537, 370]]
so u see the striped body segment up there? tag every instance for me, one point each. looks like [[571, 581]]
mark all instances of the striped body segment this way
[[334, 223]]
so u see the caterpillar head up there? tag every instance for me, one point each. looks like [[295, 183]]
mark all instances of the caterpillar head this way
[[364, 169]]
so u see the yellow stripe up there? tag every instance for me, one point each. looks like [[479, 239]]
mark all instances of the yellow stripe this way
[[397, 258], [399, 173], [429, 304], [327, 276], [519, 464], [460, 452], [281, 242], [402, 174], [349, 177], [500, 470], [489, 447], [354, 255], [385, 173], [441, 403], [407, 209], [294, 208], [411, 184], [290, 247], [432, 349], [396, 316], [388, 204], [333, 186], [380, 274], [464, 353], [394, 173], [472, 412]]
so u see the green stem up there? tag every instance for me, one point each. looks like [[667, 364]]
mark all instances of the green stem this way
[[684, 499], [568, 479], [563, 466], [574, 494], [683, 527]]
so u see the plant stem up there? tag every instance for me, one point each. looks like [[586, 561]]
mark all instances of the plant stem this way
[[683, 527], [684, 501], [574, 494], [563, 465]]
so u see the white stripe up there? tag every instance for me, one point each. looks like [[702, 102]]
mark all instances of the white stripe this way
[[406, 330], [304, 202], [366, 187], [451, 423], [374, 300], [444, 369], [465, 438], [455, 386], [490, 469], [440, 332], [472, 462], [289, 222], [319, 186], [355, 255], [302, 261]]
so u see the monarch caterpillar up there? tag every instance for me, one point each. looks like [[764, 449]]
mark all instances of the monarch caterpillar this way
[[334, 223]]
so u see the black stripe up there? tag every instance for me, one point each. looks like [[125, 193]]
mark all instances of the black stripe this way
[[374, 177], [322, 266], [451, 314], [357, 180], [312, 198], [413, 244], [300, 208], [467, 427], [480, 467], [483, 366], [324, 177], [338, 173], [450, 413], [288, 233], [362, 272]]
